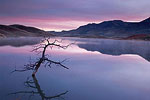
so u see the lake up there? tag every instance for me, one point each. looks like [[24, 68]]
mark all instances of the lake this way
[[99, 69]]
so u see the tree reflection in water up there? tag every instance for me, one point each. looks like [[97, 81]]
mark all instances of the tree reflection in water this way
[[33, 84]]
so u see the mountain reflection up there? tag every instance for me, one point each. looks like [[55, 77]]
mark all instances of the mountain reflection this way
[[119, 47], [104, 46], [35, 89], [19, 41]]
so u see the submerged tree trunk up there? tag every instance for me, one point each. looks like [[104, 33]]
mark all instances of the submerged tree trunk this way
[[44, 58], [37, 66]]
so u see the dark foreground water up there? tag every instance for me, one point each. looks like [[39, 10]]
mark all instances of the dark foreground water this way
[[98, 70]]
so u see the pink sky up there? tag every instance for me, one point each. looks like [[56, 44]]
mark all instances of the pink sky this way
[[61, 15]]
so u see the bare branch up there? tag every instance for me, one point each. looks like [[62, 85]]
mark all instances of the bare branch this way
[[44, 59], [56, 96], [24, 92], [56, 63]]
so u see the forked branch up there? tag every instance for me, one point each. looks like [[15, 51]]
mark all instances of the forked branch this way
[[44, 44]]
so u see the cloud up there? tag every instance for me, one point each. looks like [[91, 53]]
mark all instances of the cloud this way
[[55, 11]]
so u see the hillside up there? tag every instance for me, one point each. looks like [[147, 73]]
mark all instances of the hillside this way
[[20, 30], [112, 29], [115, 29]]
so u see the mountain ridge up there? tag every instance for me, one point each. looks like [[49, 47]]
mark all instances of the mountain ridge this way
[[112, 29], [17, 30]]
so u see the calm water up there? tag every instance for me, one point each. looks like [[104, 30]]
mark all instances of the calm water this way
[[98, 70]]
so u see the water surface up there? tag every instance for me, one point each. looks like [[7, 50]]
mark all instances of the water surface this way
[[98, 70]]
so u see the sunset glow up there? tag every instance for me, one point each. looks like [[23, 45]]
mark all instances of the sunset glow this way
[[69, 14]]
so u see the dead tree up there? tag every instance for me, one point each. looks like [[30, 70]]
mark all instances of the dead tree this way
[[44, 44], [33, 84]]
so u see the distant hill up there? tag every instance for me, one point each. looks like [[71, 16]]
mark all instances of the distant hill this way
[[112, 29], [115, 29], [20, 30]]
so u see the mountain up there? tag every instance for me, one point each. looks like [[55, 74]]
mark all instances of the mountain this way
[[112, 29], [107, 29], [20, 30]]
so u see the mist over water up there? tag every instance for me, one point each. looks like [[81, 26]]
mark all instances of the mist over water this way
[[99, 69]]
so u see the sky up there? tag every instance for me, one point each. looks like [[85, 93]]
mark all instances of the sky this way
[[58, 15]]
